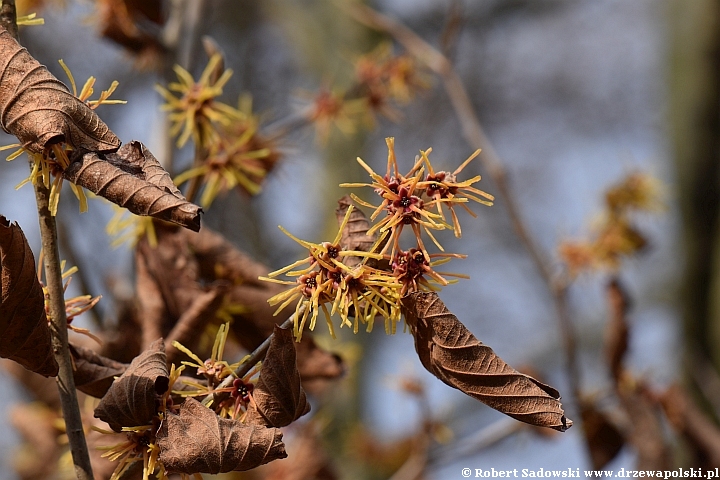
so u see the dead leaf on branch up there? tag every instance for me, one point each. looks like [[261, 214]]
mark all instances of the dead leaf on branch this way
[[449, 351], [24, 333], [134, 179], [131, 401], [198, 441], [39, 109], [603, 438], [201, 313], [616, 332], [354, 236], [93, 373], [279, 397]]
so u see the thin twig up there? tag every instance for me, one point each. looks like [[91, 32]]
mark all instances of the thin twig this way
[[256, 356], [475, 136], [58, 326], [58, 319]]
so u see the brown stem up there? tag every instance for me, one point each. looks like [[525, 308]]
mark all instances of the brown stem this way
[[475, 136], [58, 326], [58, 320], [256, 356]]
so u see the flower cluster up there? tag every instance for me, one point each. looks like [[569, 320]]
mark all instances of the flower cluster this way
[[362, 292], [382, 80], [212, 372], [616, 236], [330, 279], [408, 199], [233, 154]]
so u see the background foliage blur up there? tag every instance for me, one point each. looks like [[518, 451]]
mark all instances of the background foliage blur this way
[[573, 95]]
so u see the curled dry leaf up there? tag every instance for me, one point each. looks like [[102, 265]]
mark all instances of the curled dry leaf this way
[[279, 397], [616, 332], [354, 236], [24, 332], [39, 109], [167, 281], [93, 373], [198, 441], [134, 179], [604, 439], [219, 259], [131, 400], [449, 351]]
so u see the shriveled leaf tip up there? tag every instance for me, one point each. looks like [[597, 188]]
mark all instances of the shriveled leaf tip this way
[[449, 351]]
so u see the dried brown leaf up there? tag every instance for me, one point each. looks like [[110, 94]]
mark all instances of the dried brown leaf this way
[[255, 324], [198, 441], [449, 351], [167, 281], [132, 399], [39, 109], [354, 236], [279, 397], [616, 332], [93, 373], [134, 179], [24, 332], [603, 438]]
